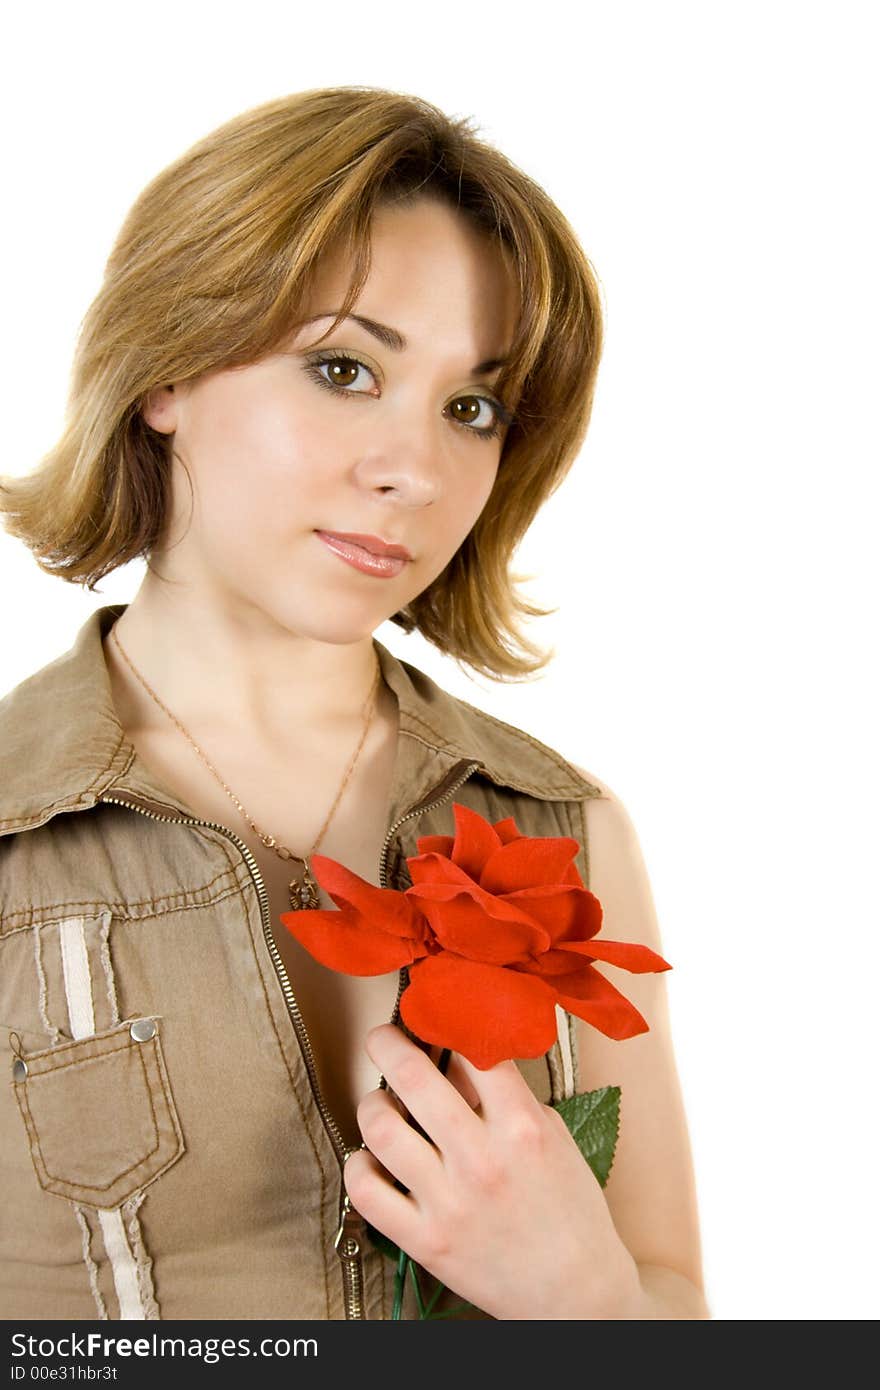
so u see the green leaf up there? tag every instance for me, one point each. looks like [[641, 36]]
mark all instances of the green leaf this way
[[593, 1118]]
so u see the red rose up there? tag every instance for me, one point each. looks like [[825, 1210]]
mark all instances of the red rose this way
[[497, 929]]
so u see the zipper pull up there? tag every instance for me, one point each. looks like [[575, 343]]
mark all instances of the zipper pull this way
[[349, 1238]]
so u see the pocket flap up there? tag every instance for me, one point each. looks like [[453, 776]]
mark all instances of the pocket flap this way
[[99, 1114]]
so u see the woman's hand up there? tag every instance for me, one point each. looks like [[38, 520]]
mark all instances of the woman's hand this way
[[501, 1206]]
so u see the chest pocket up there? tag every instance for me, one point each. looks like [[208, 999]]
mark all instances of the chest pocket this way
[[99, 1114]]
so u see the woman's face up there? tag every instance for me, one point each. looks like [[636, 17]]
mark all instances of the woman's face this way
[[387, 433]]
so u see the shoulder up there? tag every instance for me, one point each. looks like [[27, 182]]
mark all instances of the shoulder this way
[[61, 739], [58, 682], [618, 872], [29, 710], [607, 811], [450, 725]]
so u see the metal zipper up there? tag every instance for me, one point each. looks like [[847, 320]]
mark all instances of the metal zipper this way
[[350, 1234], [418, 810], [348, 1246], [284, 979]]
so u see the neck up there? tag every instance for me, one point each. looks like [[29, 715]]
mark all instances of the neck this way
[[222, 673]]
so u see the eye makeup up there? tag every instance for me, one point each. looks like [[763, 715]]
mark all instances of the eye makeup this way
[[315, 364]]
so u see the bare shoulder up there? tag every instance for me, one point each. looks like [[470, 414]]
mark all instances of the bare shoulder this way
[[651, 1190], [617, 864]]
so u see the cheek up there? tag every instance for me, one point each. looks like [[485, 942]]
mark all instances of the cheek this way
[[272, 474], [476, 489]]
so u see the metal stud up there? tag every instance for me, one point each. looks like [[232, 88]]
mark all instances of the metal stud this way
[[143, 1029]]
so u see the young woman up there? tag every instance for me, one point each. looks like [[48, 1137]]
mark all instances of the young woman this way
[[342, 353]]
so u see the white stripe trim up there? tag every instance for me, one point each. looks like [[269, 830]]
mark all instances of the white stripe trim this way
[[564, 1036], [54, 1033], [77, 977], [89, 1262], [106, 919], [81, 1011], [141, 1258], [124, 1268]]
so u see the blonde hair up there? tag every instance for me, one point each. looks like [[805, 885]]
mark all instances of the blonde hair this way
[[208, 271]]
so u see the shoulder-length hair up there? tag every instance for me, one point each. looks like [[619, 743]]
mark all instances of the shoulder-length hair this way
[[208, 272]]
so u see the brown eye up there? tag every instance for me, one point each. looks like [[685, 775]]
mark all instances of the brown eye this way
[[466, 410], [480, 414], [343, 371], [340, 372]]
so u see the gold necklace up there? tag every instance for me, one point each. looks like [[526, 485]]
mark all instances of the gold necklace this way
[[302, 892]]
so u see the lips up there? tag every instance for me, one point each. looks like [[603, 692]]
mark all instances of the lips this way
[[373, 544], [368, 554]]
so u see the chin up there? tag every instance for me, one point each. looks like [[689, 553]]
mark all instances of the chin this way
[[332, 624]]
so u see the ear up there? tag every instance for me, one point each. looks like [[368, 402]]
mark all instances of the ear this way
[[159, 409]]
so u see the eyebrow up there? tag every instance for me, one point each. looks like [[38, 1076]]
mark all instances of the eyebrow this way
[[398, 343]]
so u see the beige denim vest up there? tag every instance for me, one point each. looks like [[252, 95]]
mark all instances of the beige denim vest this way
[[164, 1149]]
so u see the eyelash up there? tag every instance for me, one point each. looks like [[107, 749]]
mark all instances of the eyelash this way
[[313, 366]]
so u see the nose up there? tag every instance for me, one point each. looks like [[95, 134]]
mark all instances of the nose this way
[[400, 461]]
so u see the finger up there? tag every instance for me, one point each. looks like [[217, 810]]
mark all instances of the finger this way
[[434, 1103], [394, 1213], [498, 1091], [456, 1073], [394, 1100], [404, 1153]]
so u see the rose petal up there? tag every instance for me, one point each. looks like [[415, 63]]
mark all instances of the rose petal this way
[[575, 981], [475, 840], [436, 868], [639, 960], [477, 925], [551, 964], [529, 862], [386, 909], [347, 942], [506, 830], [605, 1008], [563, 910], [435, 844], [485, 1012]]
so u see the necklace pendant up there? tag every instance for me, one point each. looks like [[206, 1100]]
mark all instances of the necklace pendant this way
[[303, 892]]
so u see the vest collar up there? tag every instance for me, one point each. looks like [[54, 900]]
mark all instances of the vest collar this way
[[64, 748]]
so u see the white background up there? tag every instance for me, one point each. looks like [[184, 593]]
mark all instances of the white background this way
[[712, 552]]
